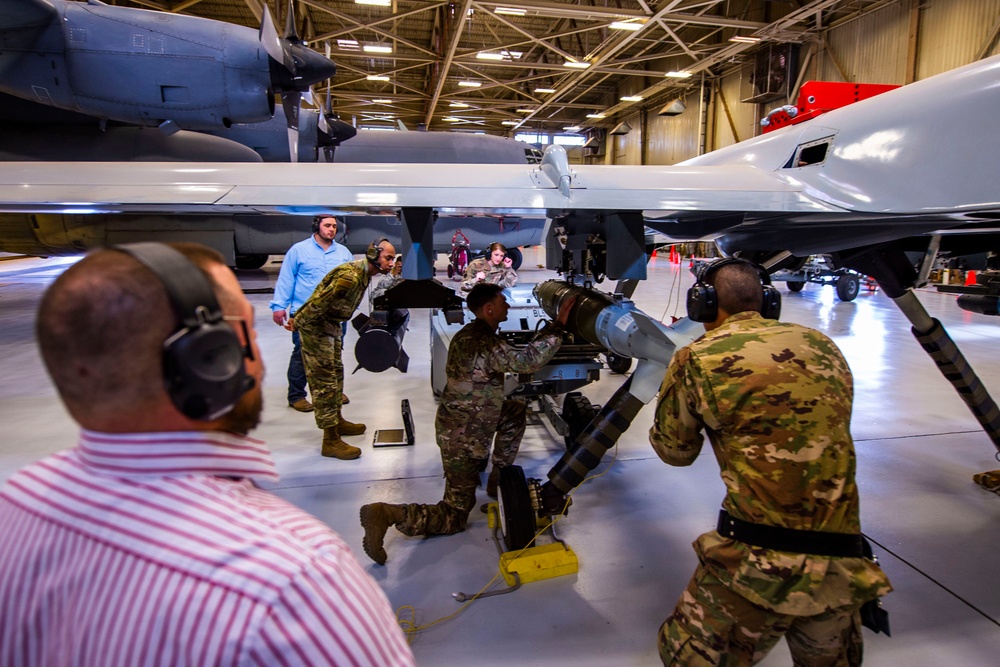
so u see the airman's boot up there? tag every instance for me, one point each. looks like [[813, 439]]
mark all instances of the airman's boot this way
[[336, 448], [376, 519], [493, 481], [350, 428]]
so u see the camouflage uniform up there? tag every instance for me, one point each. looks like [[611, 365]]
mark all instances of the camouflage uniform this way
[[775, 399], [320, 323], [472, 409], [497, 275]]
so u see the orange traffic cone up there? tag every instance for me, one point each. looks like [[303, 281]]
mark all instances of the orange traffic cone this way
[[970, 277]]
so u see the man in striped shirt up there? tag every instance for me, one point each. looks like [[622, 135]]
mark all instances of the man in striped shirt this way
[[149, 542]]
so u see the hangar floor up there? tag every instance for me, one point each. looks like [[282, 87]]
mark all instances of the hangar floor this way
[[918, 446]]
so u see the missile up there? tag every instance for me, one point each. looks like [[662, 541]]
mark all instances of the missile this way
[[984, 304], [615, 323], [380, 340]]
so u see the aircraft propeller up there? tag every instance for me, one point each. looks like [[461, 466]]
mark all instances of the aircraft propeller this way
[[294, 68]]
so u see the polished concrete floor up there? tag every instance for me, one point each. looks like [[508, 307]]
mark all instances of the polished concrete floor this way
[[918, 446]]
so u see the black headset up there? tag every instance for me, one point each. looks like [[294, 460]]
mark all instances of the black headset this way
[[374, 251], [318, 219], [703, 302], [202, 359]]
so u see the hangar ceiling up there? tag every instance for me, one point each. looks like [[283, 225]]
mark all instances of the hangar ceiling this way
[[527, 64]]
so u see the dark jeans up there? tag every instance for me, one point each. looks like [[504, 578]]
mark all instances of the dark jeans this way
[[296, 371]]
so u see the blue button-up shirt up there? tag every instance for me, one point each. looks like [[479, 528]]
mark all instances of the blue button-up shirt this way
[[305, 264]]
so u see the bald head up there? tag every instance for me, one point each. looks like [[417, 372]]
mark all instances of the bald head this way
[[101, 328]]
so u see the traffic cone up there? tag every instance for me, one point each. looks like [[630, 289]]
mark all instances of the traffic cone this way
[[654, 252], [970, 277]]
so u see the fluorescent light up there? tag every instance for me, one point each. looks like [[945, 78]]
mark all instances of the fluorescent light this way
[[525, 110], [459, 105], [348, 44], [510, 122], [509, 11], [376, 48], [572, 128], [679, 75], [631, 98], [595, 115], [379, 3], [576, 64], [545, 90], [470, 84], [744, 39], [381, 101], [452, 119], [627, 25], [377, 77], [486, 55]]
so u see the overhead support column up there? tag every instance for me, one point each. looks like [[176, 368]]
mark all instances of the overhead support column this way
[[418, 242]]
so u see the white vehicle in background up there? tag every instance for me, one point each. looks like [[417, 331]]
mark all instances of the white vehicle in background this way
[[818, 269]]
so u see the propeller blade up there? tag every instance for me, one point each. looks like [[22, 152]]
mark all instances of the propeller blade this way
[[290, 104], [269, 38], [290, 33]]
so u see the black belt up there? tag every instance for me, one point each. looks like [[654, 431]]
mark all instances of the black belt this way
[[817, 543]]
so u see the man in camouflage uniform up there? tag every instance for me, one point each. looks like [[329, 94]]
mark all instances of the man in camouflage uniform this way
[[320, 323], [496, 268], [470, 412], [775, 399]]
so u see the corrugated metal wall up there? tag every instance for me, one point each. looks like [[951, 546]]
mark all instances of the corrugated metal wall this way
[[953, 32], [873, 48]]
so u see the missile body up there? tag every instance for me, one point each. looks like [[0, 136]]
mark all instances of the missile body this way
[[380, 340], [615, 323]]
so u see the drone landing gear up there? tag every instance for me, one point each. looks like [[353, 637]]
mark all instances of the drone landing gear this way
[[513, 518]]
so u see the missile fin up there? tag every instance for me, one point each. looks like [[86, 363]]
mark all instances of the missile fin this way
[[403, 361]]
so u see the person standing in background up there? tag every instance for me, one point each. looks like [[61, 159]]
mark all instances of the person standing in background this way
[[305, 264]]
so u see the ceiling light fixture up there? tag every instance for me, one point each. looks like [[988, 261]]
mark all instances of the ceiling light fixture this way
[[486, 55], [631, 98], [742, 39], [572, 128], [525, 110], [376, 48], [576, 64], [348, 45], [510, 11], [510, 122], [452, 119], [470, 84], [377, 77], [683, 74], [459, 105], [377, 3], [595, 115], [381, 101], [545, 90], [627, 25]]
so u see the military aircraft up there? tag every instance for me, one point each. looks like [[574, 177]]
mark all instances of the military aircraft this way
[[83, 81], [854, 184]]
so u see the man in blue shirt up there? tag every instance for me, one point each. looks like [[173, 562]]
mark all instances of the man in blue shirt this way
[[305, 264]]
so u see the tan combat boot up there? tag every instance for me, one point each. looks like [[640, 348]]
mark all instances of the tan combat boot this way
[[376, 519], [350, 428], [336, 448]]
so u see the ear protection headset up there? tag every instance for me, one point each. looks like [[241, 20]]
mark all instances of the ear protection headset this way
[[703, 302], [317, 219], [203, 359], [374, 251]]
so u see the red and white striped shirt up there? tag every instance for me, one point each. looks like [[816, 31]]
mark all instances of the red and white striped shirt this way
[[157, 549]]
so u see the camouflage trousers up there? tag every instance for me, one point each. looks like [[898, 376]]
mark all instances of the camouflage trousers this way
[[465, 452], [321, 356], [712, 625]]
